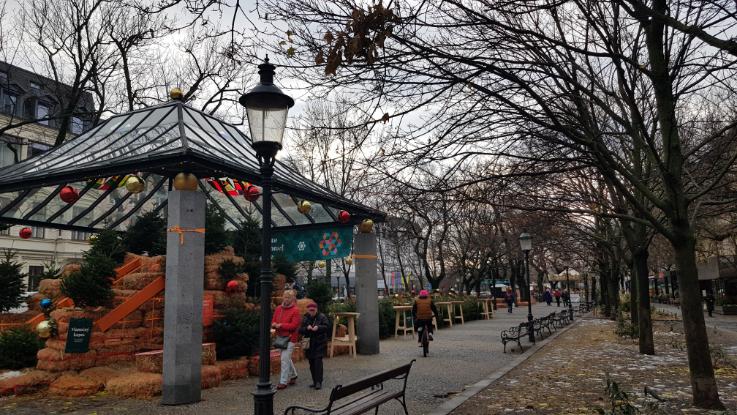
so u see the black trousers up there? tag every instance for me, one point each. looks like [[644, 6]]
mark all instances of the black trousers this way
[[316, 369]]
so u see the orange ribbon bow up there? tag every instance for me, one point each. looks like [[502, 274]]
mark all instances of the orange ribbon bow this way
[[181, 231]]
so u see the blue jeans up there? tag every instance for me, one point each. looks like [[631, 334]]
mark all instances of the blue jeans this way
[[288, 371]]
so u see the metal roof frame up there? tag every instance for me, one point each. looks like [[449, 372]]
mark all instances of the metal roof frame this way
[[156, 143]]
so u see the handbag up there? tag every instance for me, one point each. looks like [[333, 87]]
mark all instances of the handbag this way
[[281, 342], [305, 343]]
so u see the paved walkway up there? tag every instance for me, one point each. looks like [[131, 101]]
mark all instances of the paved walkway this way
[[719, 321], [459, 356]]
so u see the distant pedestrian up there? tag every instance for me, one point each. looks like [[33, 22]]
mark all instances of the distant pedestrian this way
[[566, 298], [556, 293], [315, 327], [709, 303], [548, 297], [509, 299]]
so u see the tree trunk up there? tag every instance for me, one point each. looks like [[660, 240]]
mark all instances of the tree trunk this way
[[613, 291], [634, 284], [703, 383], [639, 259]]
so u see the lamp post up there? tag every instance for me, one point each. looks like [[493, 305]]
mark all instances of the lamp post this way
[[568, 286], [266, 109], [525, 242]]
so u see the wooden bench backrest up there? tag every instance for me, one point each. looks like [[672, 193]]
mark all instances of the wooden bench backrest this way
[[340, 391]]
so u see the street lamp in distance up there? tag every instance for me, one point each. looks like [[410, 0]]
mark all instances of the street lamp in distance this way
[[266, 108], [525, 242]]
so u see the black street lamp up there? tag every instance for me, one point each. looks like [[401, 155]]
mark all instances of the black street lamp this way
[[525, 242], [568, 286], [266, 109]]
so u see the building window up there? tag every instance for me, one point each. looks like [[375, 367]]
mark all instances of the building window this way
[[35, 149], [7, 102], [7, 157], [4, 231], [34, 277], [38, 232], [3, 77], [35, 87], [77, 126], [42, 111]]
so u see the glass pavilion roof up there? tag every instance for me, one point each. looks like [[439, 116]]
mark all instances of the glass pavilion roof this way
[[157, 143]]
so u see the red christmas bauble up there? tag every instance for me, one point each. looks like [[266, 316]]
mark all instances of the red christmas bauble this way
[[344, 216], [232, 285], [68, 194], [252, 193], [25, 233]]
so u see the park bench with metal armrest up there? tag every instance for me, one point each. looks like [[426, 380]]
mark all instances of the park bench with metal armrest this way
[[549, 322], [514, 334], [561, 319], [362, 395]]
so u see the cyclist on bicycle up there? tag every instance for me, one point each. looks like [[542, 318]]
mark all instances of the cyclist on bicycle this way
[[423, 311]]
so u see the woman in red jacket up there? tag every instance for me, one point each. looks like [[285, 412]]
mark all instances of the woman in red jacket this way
[[286, 321]]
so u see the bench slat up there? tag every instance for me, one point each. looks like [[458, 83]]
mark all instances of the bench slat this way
[[341, 391]]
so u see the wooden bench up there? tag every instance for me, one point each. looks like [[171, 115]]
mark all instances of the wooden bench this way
[[514, 334], [370, 392]]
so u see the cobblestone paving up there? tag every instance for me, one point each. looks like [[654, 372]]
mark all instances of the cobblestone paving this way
[[459, 356]]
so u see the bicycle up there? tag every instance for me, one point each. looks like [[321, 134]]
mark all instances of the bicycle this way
[[423, 332]]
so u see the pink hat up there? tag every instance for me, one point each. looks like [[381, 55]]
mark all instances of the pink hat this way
[[423, 293]]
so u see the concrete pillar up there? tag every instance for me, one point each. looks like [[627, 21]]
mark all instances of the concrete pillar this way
[[185, 263], [367, 297]]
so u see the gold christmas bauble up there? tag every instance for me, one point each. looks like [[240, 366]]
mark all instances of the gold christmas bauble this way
[[321, 264], [304, 207], [348, 260], [43, 329], [176, 93], [185, 181], [135, 184], [366, 226]]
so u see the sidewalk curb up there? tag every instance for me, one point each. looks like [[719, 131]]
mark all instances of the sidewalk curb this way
[[449, 406]]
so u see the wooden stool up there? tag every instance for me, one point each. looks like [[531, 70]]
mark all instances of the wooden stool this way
[[486, 312], [350, 339], [400, 322], [458, 316], [449, 308]]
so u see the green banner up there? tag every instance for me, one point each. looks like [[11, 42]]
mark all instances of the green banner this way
[[313, 244]]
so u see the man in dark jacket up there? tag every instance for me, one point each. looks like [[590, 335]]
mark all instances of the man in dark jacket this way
[[315, 327]]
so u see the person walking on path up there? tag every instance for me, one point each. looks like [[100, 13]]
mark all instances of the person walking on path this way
[[315, 327], [566, 298], [710, 303], [556, 293], [509, 298], [286, 321], [547, 296], [423, 310]]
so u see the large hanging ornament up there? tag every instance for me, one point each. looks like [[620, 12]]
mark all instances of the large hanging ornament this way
[[304, 207], [252, 193], [185, 181], [366, 226], [344, 216], [25, 233], [68, 194], [135, 184], [321, 264], [43, 329], [348, 260], [45, 303]]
